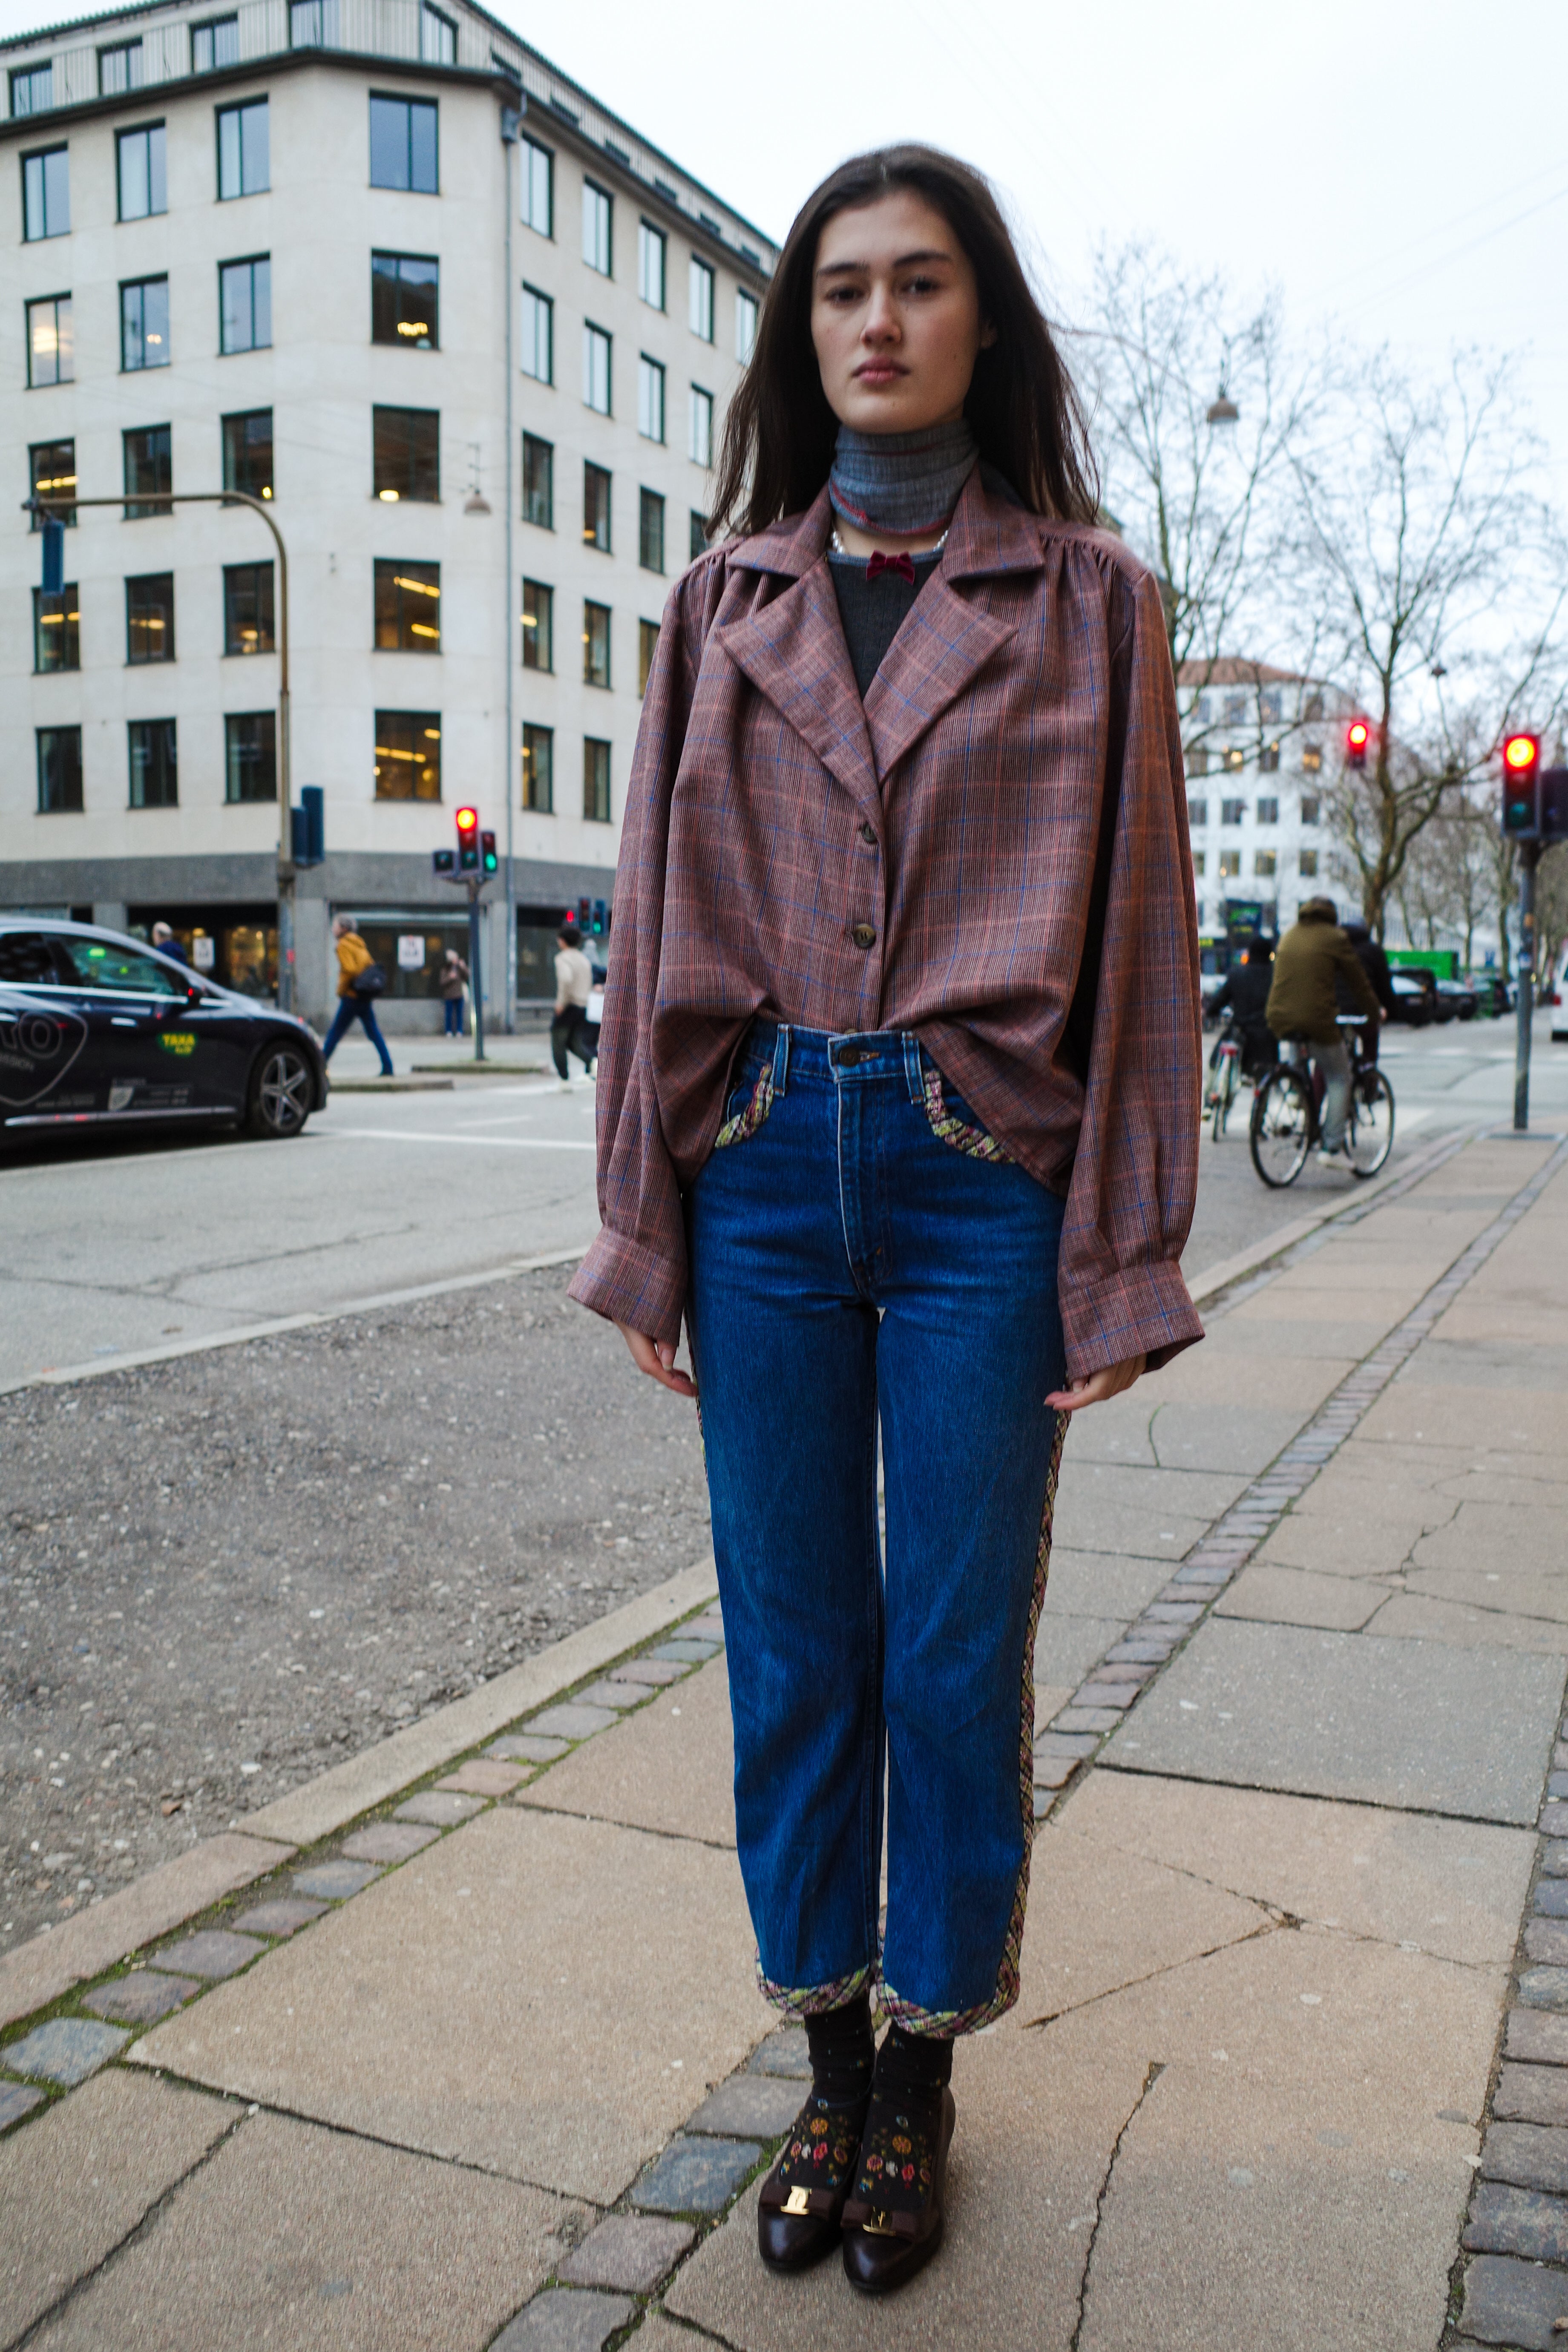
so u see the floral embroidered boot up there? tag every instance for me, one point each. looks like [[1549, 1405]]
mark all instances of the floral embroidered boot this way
[[894, 2220], [800, 2210]]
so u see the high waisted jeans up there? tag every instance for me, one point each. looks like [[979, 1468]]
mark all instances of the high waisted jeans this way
[[862, 1253]]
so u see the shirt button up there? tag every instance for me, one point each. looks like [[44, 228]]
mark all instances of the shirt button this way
[[864, 935], [869, 834]]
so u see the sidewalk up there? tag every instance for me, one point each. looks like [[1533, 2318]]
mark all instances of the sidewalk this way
[[476, 2057]]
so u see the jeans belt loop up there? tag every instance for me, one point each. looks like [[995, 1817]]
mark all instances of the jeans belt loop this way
[[780, 1059], [913, 1070]]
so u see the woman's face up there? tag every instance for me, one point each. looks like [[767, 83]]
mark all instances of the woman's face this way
[[895, 315]]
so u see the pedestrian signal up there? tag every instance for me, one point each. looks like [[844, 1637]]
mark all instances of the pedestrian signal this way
[[488, 858], [468, 841]]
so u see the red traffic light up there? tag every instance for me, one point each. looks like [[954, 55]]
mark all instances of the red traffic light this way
[[1357, 735], [1521, 754], [468, 840], [467, 820]]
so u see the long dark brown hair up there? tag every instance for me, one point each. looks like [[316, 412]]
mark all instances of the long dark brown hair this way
[[779, 432]]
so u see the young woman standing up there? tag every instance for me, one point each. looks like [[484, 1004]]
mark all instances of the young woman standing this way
[[899, 1096]]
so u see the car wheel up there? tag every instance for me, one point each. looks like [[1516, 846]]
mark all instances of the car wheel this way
[[281, 1088]]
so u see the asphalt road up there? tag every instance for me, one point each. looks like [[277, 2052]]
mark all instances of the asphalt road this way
[[222, 1572]]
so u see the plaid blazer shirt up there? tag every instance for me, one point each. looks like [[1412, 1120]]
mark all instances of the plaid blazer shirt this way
[[1005, 814]]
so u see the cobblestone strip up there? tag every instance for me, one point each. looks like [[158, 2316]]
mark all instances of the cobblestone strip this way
[[1103, 1700]]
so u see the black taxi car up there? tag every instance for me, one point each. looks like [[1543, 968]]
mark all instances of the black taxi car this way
[[99, 1031]]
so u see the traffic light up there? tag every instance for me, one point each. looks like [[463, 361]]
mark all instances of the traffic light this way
[[468, 841], [1553, 793], [600, 918], [309, 826], [1357, 735], [584, 914], [1521, 773], [443, 861], [488, 858]]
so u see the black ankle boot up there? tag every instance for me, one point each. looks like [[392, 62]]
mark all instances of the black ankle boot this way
[[800, 2207], [893, 2221]]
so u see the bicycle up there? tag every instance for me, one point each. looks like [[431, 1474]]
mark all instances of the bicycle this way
[[1224, 1078], [1285, 1122]]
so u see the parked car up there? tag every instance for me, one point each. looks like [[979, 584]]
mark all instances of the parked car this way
[[99, 1031], [1412, 998], [1557, 996], [1463, 998]]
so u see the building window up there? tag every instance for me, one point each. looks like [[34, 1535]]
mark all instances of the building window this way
[[538, 625], [245, 304], [402, 147], [407, 755], [46, 194], [539, 481], [149, 618], [1197, 760], [595, 644], [1235, 709], [1268, 759], [650, 530], [539, 770], [1271, 708], [120, 69], [595, 781], [596, 507], [1231, 812], [248, 452], [697, 536], [50, 351], [650, 399], [1313, 707], [700, 288], [1307, 861], [57, 630], [51, 468], [536, 187], [1263, 864], [745, 324], [699, 444], [1269, 811], [215, 44], [653, 248], [404, 299], [595, 369], [155, 765], [32, 93], [312, 23], [143, 185], [1311, 757], [597, 213], [408, 454], [144, 324], [247, 609], [250, 756], [148, 457], [1229, 865], [648, 645], [437, 38], [1197, 814], [1200, 863], [60, 767], [244, 151], [1199, 708], [407, 607], [1309, 808], [537, 340]]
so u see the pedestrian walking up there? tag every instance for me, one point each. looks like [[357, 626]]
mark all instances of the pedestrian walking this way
[[360, 982], [1315, 961], [887, 1115], [454, 978], [1243, 995], [164, 940], [573, 985]]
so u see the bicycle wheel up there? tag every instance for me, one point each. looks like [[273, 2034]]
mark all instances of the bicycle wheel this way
[[1370, 1134], [1282, 1125]]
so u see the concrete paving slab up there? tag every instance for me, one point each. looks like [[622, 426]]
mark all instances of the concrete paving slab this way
[[670, 1767], [628, 2251], [1529, 1541], [292, 2235], [1341, 1543], [139, 1999], [83, 2177], [1294, 1596], [1101, 1584], [1067, 1647], [1195, 1494], [1418, 1617], [1414, 1723], [558, 1993], [66, 2051], [1453, 1888], [1087, 1522], [1466, 1413], [1239, 1437], [389, 1842], [563, 2319], [1118, 1430]]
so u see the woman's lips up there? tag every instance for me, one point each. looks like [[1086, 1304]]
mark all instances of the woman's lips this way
[[879, 372]]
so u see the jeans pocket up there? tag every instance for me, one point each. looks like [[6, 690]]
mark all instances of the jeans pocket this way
[[950, 1126], [747, 1108]]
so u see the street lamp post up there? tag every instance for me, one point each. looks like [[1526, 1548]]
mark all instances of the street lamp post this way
[[285, 789]]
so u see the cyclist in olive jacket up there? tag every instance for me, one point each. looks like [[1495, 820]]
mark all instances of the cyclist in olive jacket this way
[[1303, 1002]]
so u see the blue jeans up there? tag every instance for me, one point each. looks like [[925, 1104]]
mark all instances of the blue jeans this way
[[862, 1255], [363, 1010], [453, 1017]]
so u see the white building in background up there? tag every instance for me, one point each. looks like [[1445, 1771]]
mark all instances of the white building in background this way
[[1258, 743], [477, 366]]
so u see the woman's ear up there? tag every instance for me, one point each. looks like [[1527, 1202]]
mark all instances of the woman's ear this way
[[987, 335]]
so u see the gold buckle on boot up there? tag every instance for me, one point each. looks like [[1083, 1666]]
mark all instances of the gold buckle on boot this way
[[878, 2225], [797, 2202]]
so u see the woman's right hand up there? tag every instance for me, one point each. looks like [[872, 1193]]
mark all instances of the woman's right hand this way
[[657, 1359]]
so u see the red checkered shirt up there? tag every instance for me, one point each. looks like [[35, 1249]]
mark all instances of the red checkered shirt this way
[[1005, 817]]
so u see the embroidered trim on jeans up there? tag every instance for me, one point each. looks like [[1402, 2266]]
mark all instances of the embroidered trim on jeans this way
[[812, 2000], [945, 1125], [946, 2022], [746, 1122]]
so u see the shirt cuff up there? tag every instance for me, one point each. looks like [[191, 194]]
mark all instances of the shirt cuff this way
[[1139, 1310], [629, 1283]]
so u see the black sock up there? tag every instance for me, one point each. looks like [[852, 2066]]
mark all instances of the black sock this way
[[843, 2050], [909, 2063]]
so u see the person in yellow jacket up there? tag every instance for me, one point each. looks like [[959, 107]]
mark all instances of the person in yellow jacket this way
[[1304, 1002], [356, 1001]]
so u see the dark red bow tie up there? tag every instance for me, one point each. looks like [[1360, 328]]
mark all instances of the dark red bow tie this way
[[904, 565]]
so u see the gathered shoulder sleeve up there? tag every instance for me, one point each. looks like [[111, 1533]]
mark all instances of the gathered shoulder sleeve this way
[[1134, 1177], [636, 1271]]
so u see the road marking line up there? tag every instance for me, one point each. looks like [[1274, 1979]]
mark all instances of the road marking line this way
[[495, 1142]]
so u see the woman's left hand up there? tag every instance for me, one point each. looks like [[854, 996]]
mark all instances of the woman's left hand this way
[[1099, 1386]]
